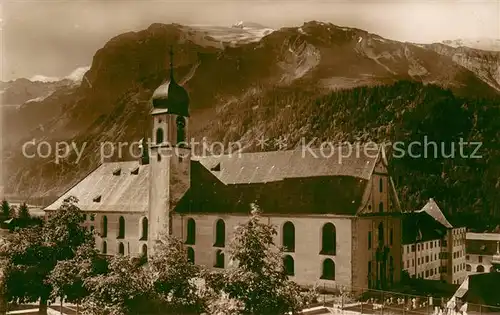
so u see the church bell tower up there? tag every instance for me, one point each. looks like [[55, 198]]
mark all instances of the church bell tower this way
[[169, 153]]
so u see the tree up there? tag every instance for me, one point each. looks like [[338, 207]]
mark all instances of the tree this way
[[5, 209], [125, 289], [176, 280], [68, 276], [33, 252], [259, 280], [23, 213]]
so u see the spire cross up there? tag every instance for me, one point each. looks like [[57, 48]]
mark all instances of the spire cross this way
[[171, 53]]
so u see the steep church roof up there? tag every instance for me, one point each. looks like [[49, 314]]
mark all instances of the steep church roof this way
[[433, 210], [287, 182], [117, 186]]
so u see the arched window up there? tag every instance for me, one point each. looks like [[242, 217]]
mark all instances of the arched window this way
[[144, 250], [104, 247], [181, 132], [381, 185], [190, 255], [468, 267], [328, 269], [144, 232], [219, 259], [288, 237], [159, 135], [288, 264], [104, 227], [381, 207], [329, 240], [480, 268], [220, 233], [381, 234], [121, 227], [492, 269], [121, 249], [191, 232]]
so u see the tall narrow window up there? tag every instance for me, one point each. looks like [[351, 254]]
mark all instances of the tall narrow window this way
[[288, 264], [220, 234], [329, 239], [381, 207], [121, 249], [219, 259], [328, 269], [191, 232], [288, 237], [104, 247], [369, 239], [181, 132], [159, 136], [190, 255], [381, 185], [144, 232], [121, 227], [381, 234], [145, 250], [104, 227], [391, 237]]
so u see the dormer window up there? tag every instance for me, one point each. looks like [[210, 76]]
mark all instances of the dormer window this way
[[117, 172], [216, 168], [135, 171], [97, 199]]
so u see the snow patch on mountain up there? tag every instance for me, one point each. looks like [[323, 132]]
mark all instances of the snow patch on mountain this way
[[77, 74], [43, 78], [491, 44]]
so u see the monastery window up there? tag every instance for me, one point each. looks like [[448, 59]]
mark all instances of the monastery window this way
[[104, 247], [328, 269], [144, 250], [121, 249], [381, 207], [369, 239], [480, 268], [219, 259], [381, 235], [413, 248], [288, 264], [159, 135], [104, 230], [190, 255], [92, 217], [391, 237], [144, 230], [381, 185], [220, 233], [480, 259], [288, 237], [181, 133], [191, 232], [467, 257], [159, 157], [329, 240], [121, 227], [492, 269]]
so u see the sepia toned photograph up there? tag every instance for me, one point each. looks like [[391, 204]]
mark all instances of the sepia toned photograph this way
[[250, 157]]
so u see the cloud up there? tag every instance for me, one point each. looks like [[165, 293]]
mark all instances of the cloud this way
[[42, 78], [77, 74]]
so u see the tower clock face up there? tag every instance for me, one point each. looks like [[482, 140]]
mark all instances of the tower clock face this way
[[181, 122]]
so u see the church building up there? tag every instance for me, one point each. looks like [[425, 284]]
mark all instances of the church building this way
[[338, 217]]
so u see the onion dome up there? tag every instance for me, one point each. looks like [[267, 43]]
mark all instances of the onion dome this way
[[171, 96]]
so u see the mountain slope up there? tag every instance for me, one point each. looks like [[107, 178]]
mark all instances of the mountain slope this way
[[112, 103]]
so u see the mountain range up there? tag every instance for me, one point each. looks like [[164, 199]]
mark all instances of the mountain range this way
[[247, 81]]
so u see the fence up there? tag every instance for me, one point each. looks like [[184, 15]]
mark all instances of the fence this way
[[351, 301]]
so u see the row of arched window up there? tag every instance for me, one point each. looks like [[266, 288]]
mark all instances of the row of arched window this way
[[121, 248], [479, 268], [328, 241], [121, 228]]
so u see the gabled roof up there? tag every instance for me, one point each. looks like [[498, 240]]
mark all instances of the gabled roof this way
[[264, 167], [106, 190], [433, 210], [294, 181]]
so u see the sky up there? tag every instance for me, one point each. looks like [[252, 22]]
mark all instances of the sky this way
[[54, 37]]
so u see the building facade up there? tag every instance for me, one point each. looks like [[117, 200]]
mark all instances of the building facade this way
[[433, 249], [481, 249]]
